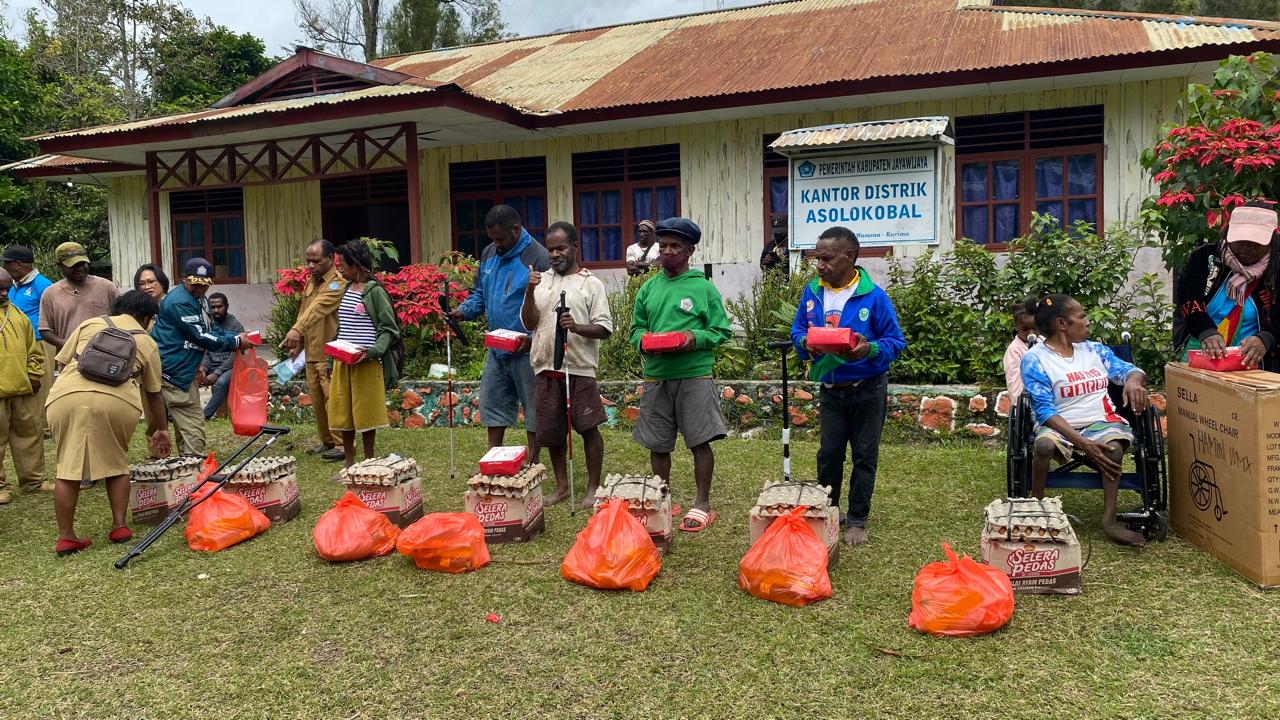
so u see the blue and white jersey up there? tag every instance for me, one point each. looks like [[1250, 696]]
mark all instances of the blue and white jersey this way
[[1074, 388]]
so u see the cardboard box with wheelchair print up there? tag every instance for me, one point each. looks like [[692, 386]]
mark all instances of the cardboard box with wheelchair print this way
[[1224, 466]]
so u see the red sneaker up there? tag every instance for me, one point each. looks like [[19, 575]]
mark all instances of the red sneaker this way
[[69, 547], [120, 534]]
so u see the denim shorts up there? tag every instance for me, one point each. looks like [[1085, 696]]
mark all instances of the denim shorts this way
[[507, 380]]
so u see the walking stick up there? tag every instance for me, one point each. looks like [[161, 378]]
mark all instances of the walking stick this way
[[562, 365], [451, 328], [217, 478], [785, 347]]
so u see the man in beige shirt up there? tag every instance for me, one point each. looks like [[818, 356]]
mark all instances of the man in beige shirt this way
[[75, 298], [586, 323], [316, 325]]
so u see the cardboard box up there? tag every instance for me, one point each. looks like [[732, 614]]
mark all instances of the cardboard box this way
[[831, 339], [1232, 362], [279, 500], [660, 342], [826, 527], [342, 351], [508, 519], [506, 460], [401, 502], [508, 340], [151, 502], [1224, 466], [1037, 567]]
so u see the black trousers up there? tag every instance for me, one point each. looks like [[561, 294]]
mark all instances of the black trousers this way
[[852, 417]]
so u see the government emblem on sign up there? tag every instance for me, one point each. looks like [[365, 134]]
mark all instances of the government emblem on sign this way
[[805, 169]]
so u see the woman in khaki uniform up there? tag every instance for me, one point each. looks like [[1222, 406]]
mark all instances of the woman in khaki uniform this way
[[92, 422]]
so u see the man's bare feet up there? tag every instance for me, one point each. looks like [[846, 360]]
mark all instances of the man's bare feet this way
[[589, 499], [1123, 535], [560, 494], [855, 536]]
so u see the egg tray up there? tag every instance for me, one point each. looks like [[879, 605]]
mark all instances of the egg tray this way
[[262, 470], [642, 492], [1030, 519], [167, 469], [384, 471], [779, 499], [519, 485]]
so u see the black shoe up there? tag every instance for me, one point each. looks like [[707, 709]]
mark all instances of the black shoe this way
[[333, 454]]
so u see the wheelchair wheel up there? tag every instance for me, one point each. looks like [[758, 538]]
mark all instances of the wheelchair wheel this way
[[1016, 462], [1156, 527]]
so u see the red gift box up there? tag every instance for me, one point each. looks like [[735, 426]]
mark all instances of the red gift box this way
[[503, 460], [342, 351], [1232, 362], [254, 338], [508, 340], [831, 339], [662, 341]]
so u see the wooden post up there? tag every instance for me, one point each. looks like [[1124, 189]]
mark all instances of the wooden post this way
[[153, 210], [415, 192]]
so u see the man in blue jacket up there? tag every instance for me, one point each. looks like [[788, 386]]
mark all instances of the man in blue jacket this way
[[498, 293], [854, 383], [183, 334]]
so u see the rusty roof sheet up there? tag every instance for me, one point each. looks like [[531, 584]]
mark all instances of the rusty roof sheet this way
[[50, 162], [863, 132], [763, 48]]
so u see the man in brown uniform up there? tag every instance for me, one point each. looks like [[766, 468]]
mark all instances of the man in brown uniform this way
[[316, 325], [21, 418]]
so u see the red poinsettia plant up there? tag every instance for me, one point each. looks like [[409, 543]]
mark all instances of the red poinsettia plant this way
[[1223, 155]]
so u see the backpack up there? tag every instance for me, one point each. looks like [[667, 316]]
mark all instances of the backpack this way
[[110, 355]]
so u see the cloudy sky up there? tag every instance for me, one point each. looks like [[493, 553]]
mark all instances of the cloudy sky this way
[[273, 20]]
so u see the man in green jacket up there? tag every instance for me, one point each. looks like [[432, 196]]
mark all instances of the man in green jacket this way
[[679, 394], [21, 373]]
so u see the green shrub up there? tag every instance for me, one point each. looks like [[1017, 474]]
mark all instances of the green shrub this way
[[619, 360], [762, 315]]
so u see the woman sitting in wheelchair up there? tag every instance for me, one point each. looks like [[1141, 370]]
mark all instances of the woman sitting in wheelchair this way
[[1066, 377]]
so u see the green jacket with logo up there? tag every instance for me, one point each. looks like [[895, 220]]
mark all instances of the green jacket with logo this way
[[686, 302]]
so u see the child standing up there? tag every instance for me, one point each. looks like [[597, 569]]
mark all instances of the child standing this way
[[1024, 324], [855, 384], [679, 394]]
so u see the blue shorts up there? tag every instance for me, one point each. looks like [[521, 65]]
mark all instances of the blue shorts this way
[[507, 379]]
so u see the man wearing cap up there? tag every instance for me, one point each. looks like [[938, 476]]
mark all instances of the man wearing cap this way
[[679, 394], [643, 253], [317, 324], [29, 285], [183, 334], [75, 298]]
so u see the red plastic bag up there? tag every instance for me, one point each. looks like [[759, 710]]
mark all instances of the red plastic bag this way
[[445, 542], [222, 521], [351, 531], [787, 564], [960, 597], [613, 552], [248, 394]]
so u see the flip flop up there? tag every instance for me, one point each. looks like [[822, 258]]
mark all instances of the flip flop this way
[[701, 519], [675, 510]]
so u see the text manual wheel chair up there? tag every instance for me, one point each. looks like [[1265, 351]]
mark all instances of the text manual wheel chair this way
[[1149, 478]]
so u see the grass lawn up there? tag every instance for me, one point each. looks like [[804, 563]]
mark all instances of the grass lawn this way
[[276, 632]]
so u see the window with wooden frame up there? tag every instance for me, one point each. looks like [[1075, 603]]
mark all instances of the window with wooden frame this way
[[1011, 164], [775, 189], [615, 189], [475, 187], [209, 224]]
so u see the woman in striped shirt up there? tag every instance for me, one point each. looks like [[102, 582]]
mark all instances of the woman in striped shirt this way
[[357, 396]]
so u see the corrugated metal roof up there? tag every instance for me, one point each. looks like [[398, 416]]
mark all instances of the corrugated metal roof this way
[[763, 48], [247, 110], [50, 162], [864, 132]]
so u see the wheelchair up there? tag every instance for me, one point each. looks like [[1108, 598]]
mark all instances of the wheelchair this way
[[1150, 479]]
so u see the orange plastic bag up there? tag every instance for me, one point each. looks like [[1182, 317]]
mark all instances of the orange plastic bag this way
[[787, 564], [960, 597], [613, 552], [445, 542], [247, 397], [351, 531], [222, 521]]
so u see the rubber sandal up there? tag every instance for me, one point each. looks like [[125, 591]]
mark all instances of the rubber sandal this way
[[120, 534], [675, 510], [701, 519], [70, 547]]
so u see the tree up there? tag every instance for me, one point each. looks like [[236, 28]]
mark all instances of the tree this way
[[197, 67], [348, 27], [1247, 9], [366, 29]]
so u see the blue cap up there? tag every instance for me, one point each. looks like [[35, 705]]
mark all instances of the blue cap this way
[[680, 227], [198, 271]]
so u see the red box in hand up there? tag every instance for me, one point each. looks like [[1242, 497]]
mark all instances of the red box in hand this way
[[254, 337], [508, 340], [831, 339], [661, 342], [504, 460], [1232, 362], [342, 351]]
